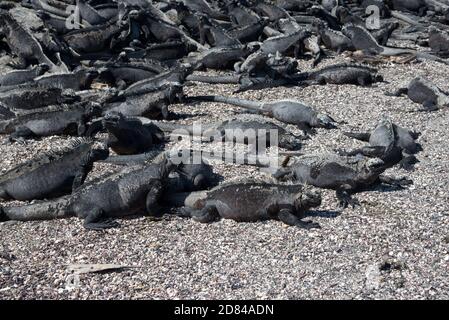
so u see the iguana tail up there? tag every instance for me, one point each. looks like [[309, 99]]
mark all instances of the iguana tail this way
[[214, 79], [362, 136], [45, 210], [246, 104]]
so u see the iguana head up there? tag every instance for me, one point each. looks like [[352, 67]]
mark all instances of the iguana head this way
[[196, 176], [308, 198], [325, 121], [99, 154], [318, 24], [373, 165], [290, 141], [378, 78], [93, 109], [112, 119]]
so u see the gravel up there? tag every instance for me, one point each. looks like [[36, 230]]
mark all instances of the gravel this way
[[394, 246]]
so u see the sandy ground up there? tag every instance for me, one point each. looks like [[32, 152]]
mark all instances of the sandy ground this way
[[394, 246]]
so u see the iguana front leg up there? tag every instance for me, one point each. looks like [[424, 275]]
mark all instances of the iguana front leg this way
[[428, 106], [287, 217], [206, 215], [81, 176], [21, 134], [407, 162], [153, 196], [344, 197], [396, 182], [96, 221], [283, 174]]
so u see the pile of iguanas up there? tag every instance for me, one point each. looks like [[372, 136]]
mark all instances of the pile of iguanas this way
[[84, 67]]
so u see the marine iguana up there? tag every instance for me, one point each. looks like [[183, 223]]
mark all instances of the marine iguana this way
[[287, 111], [414, 6], [214, 34], [346, 175], [228, 129], [21, 76], [78, 80], [122, 74], [295, 5], [384, 33], [92, 39], [176, 75], [205, 8], [52, 174], [321, 13], [245, 158], [163, 29], [27, 97], [241, 15], [439, 42], [273, 65], [219, 58], [363, 40], [192, 177], [22, 43], [66, 120], [340, 74], [284, 42], [332, 39], [151, 104], [423, 91], [126, 193], [388, 142], [128, 135], [219, 79], [252, 201], [248, 33], [164, 52], [271, 11]]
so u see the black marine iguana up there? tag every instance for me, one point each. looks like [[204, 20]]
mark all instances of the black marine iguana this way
[[52, 174], [219, 57], [346, 175], [284, 42], [287, 111], [214, 34], [365, 41], [92, 39], [122, 74], [229, 129], [439, 42], [128, 135], [128, 192], [21, 76], [78, 80], [66, 120], [252, 201], [332, 39], [388, 142], [152, 103], [340, 74], [27, 97], [423, 91], [273, 65], [22, 43]]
